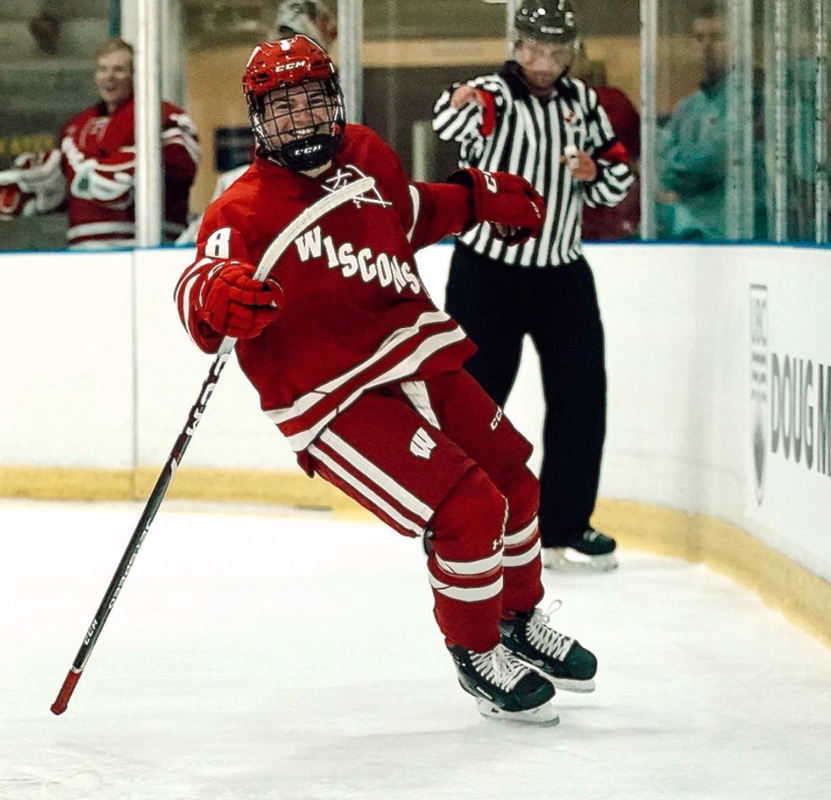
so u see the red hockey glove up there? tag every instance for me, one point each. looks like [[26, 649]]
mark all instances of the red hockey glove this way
[[237, 305], [12, 202], [34, 185], [508, 201]]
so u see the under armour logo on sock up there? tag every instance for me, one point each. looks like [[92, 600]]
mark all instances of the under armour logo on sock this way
[[421, 445]]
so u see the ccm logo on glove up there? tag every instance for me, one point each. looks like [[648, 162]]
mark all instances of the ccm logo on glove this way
[[509, 202]]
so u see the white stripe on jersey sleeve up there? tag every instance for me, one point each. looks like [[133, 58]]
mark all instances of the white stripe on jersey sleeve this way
[[415, 198]]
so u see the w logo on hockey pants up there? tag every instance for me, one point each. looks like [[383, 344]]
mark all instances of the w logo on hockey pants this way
[[421, 445]]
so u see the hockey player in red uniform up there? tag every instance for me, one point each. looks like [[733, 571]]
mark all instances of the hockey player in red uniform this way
[[91, 176], [363, 374]]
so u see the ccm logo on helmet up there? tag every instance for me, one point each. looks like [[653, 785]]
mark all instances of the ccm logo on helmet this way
[[291, 65]]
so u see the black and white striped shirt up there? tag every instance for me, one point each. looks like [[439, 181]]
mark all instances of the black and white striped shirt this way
[[528, 140]]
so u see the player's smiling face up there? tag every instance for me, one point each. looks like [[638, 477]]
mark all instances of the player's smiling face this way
[[296, 112], [114, 77]]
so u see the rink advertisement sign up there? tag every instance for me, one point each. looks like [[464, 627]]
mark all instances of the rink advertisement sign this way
[[759, 381], [789, 430]]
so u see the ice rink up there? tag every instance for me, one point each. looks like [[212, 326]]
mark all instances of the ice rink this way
[[261, 653]]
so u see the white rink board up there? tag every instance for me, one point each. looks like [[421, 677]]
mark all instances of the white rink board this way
[[67, 374], [791, 396], [678, 359]]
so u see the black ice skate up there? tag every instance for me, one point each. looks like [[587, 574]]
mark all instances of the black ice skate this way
[[592, 550], [504, 686], [558, 657]]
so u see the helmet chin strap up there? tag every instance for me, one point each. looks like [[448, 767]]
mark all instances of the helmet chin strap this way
[[302, 163]]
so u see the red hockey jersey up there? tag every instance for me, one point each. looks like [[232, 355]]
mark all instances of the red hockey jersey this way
[[356, 313], [604, 223], [97, 145]]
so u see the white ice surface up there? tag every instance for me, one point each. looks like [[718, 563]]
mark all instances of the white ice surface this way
[[264, 654]]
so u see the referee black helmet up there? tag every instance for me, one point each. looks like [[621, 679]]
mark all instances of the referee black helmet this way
[[550, 21]]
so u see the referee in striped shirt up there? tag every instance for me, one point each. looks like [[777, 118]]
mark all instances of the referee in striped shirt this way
[[532, 120]]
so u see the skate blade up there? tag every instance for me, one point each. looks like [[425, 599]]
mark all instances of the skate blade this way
[[545, 714], [566, 559], [566, 685]]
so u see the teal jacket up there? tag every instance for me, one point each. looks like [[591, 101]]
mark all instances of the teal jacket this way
[[692, 158]]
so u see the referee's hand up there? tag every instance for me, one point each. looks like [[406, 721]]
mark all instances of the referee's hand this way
[[582, 166], [466, 94]]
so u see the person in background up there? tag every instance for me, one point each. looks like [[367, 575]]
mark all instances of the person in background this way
[[692, 147], [609, 223], [92, 175], [533, 120], [363, 374], [312, 18]]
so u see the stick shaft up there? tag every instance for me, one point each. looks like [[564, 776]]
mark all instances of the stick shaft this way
[[266, 264], [139, 534]]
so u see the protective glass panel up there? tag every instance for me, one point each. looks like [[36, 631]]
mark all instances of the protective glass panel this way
[[796, 117], [68, 84], [410, 53], [412, 57], [742, 96], [46, 77], [218, 38], [742, 117], [609, 62], [691, 79]]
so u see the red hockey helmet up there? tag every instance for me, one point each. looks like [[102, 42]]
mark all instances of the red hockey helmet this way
[[295, 103]]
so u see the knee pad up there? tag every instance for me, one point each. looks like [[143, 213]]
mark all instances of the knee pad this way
[[470, 522], [522, 489]]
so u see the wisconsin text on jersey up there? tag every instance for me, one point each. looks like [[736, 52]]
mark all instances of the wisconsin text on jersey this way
[[383, 268], [386, 269]]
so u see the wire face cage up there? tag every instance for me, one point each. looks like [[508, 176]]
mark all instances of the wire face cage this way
[[299, 126]]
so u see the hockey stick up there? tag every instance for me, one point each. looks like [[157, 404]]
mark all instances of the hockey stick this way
[[274, 251]]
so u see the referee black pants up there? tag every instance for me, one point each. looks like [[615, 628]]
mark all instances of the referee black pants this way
[[497, 304]]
